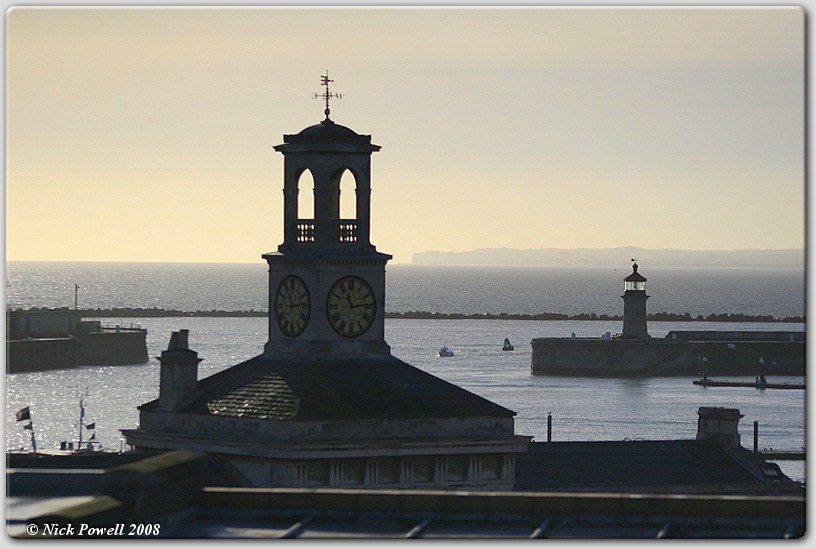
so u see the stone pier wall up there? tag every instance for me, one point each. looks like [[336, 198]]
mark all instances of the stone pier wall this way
[[112, 347], [33, 355], [663, 357]]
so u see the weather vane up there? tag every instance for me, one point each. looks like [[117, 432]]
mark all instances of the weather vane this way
[[326, 95]]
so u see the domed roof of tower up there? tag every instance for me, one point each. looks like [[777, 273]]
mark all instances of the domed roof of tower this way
[[327, 132], [635, 276]]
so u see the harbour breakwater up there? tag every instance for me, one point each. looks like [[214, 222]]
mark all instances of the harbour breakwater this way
[[42, 339], [108, 346], [154, 312], [680, 353]]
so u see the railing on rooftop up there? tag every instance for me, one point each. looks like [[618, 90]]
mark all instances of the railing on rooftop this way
[[338, 231], [305, 231]]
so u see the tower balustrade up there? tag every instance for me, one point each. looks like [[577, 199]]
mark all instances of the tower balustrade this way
[[337, 231], [305, 230]]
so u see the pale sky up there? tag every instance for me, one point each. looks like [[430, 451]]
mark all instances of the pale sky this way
[[146, 134]]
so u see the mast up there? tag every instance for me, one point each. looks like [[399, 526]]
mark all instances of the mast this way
[[81, 421]]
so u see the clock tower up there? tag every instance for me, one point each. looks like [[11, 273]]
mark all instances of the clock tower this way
[[326, 280], [327, 405]]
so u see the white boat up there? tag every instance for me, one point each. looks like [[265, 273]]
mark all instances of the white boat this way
[[444, 351]]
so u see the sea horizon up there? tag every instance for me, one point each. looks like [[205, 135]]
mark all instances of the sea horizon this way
[[589, 264], [444, 289]]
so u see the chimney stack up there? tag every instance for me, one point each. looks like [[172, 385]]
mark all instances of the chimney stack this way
[[719, 425], [179, 373]]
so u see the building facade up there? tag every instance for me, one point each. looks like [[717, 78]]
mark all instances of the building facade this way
[[326, 404]]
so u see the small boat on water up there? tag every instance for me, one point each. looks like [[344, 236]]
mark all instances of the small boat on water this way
[[444, 351], [507, 345]]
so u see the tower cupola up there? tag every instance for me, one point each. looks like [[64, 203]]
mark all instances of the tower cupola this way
[[328, 151]]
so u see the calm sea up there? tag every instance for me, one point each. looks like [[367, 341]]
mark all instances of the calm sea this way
[[581, 408], [448, 289]]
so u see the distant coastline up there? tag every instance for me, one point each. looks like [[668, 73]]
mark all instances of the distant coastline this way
[[155, 312], [617, 257]]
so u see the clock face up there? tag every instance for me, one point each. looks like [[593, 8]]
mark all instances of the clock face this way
[[292, 306], [351, 306]]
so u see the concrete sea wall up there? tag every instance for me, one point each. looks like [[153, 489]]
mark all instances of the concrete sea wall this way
[[664, 357], [33, 355], [609, 357], [112, 347]]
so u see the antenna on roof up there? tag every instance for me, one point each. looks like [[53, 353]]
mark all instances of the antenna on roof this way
[[326, 95]]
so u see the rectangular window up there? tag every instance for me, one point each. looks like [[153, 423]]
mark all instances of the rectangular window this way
[[457, 469], [423, 470], [318, 474], [389, 471], [353, 472]]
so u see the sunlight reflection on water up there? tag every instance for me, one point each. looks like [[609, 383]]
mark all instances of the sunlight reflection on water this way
[[582, 408]]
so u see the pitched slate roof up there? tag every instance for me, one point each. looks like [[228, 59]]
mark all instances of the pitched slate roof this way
[[342, 389], [590, 465]]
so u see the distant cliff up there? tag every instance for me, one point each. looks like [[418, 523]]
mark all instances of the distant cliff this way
[[615, 257]]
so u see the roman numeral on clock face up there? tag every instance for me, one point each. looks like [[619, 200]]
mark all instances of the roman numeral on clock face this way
[[351, 306], [292, 306]]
